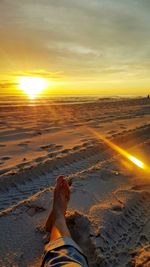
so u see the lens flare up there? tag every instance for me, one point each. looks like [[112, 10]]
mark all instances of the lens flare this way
[[120, 150], [136, 161]]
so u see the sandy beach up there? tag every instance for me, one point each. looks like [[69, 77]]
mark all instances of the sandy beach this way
[[108, 215]]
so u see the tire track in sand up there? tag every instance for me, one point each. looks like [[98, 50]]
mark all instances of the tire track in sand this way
[[22, 185]]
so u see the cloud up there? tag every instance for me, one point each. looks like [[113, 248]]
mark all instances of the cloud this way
[[7, 87], [40, 73], [7, 84], [75, 38]]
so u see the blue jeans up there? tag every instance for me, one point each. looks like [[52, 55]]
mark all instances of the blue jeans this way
[[63, 252]]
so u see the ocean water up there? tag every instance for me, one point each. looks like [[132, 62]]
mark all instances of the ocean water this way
[[13, 100], [17, 100]]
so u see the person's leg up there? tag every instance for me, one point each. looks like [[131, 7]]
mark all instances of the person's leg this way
[[56, 223], [61, 250]]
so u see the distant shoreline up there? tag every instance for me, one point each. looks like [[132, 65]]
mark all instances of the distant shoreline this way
[[16, 100]]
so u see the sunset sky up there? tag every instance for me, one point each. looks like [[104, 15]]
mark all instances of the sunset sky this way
[[81, 46]]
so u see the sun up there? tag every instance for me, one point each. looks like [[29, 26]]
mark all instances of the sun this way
[[32, 86]]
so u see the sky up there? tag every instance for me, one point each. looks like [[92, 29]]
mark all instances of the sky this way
[[81, 46]]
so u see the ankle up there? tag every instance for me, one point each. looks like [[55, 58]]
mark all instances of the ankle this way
[[62, 228], [60, 220]]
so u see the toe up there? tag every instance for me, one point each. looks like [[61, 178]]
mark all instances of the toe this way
[[66, 189], [59, 182], [58, 185], [60, 179]]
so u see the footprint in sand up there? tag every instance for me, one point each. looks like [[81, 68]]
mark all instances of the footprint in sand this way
[[64, 151], [117, 208], [21, 165], [111, 132], [33, 209], [53, 154], [123, 127], [85, 144], [47, 147], [2, 145], [40, 159], [58, 147], [24, 145], [5, 158], [76, 147]]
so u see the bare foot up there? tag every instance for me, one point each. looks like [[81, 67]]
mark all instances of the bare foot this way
[[60, 201]]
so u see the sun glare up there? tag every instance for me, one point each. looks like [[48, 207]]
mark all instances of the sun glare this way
[[124, 153], [32, 86], [137, 162]]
